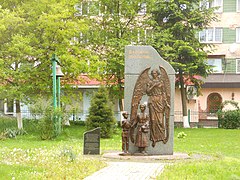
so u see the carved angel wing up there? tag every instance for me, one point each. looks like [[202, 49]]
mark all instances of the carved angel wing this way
[[166, 81], [138, 92], [167, 86]]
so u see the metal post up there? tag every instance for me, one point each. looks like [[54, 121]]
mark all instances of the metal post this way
[[189, 116], [56, 94], [58, 91], [54, 81]]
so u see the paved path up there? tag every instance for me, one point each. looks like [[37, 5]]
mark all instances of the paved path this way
[[127, 171]]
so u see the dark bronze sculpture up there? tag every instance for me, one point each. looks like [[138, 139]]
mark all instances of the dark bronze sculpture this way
[[157, 89], [125, 132], [142, 125]]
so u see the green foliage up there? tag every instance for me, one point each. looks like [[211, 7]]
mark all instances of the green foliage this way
[[215, 154], [30, 32], [118, 26], [176, 24], [68, 152], [181, 135], [101, 113], [229, 119], [7, 122], [12, 133], [232, 103], [50, 125]]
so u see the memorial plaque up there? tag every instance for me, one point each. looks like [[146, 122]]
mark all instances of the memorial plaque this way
[[92, 142]]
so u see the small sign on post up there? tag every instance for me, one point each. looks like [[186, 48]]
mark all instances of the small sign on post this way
[[91, 143]]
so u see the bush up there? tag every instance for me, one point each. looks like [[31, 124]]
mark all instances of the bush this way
[[181, 135], [50, 120], [229, 119], [12, 133], [7, 122], [101, 114], [50, 125]]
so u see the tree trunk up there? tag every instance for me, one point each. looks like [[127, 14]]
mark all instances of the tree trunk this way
[[121, 92], [184, 101], [19, 116], [120, 103]]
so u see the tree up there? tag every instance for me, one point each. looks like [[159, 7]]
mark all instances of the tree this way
[[114, 24], [30, 32], [101, 114], [177, 25]]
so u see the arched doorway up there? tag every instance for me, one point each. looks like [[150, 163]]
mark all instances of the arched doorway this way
[[214, 101]]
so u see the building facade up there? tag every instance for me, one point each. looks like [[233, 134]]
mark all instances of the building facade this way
[[224, 83]]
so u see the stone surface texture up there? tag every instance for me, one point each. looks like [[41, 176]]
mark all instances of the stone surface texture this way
[[137, 59], [128, 171]]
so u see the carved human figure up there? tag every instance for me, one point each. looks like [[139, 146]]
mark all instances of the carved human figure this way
[[157, 88], [157, 102], [125, 132], [142, 125]]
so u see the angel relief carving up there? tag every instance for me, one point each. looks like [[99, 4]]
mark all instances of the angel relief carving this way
[[157, 88]]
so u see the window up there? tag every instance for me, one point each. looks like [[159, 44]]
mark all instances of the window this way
[[216, 65], [1, 106], [212, 3], [211, 35], [238, 5], [214, 101], [87, 8], [9, 107], [142, 8], [238, 65], [238, 35]]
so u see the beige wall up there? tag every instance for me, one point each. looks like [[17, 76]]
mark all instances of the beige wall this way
[[230, 19], [224, 49], [201, 101], [226, 94], [191, 104]]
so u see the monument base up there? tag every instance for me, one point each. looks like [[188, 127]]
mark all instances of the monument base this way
[[124, 154], [117, 155]]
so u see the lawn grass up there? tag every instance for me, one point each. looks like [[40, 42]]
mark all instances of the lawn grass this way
[[212, 141], [215, 155], [28, 157]]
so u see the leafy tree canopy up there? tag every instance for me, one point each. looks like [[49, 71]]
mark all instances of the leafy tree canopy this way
[[30, 32], [177, 23], [118, 23]]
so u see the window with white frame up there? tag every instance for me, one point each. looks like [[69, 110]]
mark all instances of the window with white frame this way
[[1, 106], [87, 8], [237, 65], [212, 3], [238, 5], [142, 8], [211, 35], [9, 106], [216, 65], [238, 35]]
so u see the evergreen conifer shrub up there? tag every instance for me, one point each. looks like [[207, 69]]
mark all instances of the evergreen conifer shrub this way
[[101, 114]]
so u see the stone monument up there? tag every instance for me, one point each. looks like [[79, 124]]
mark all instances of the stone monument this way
[[149, 80], [91, 144]]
